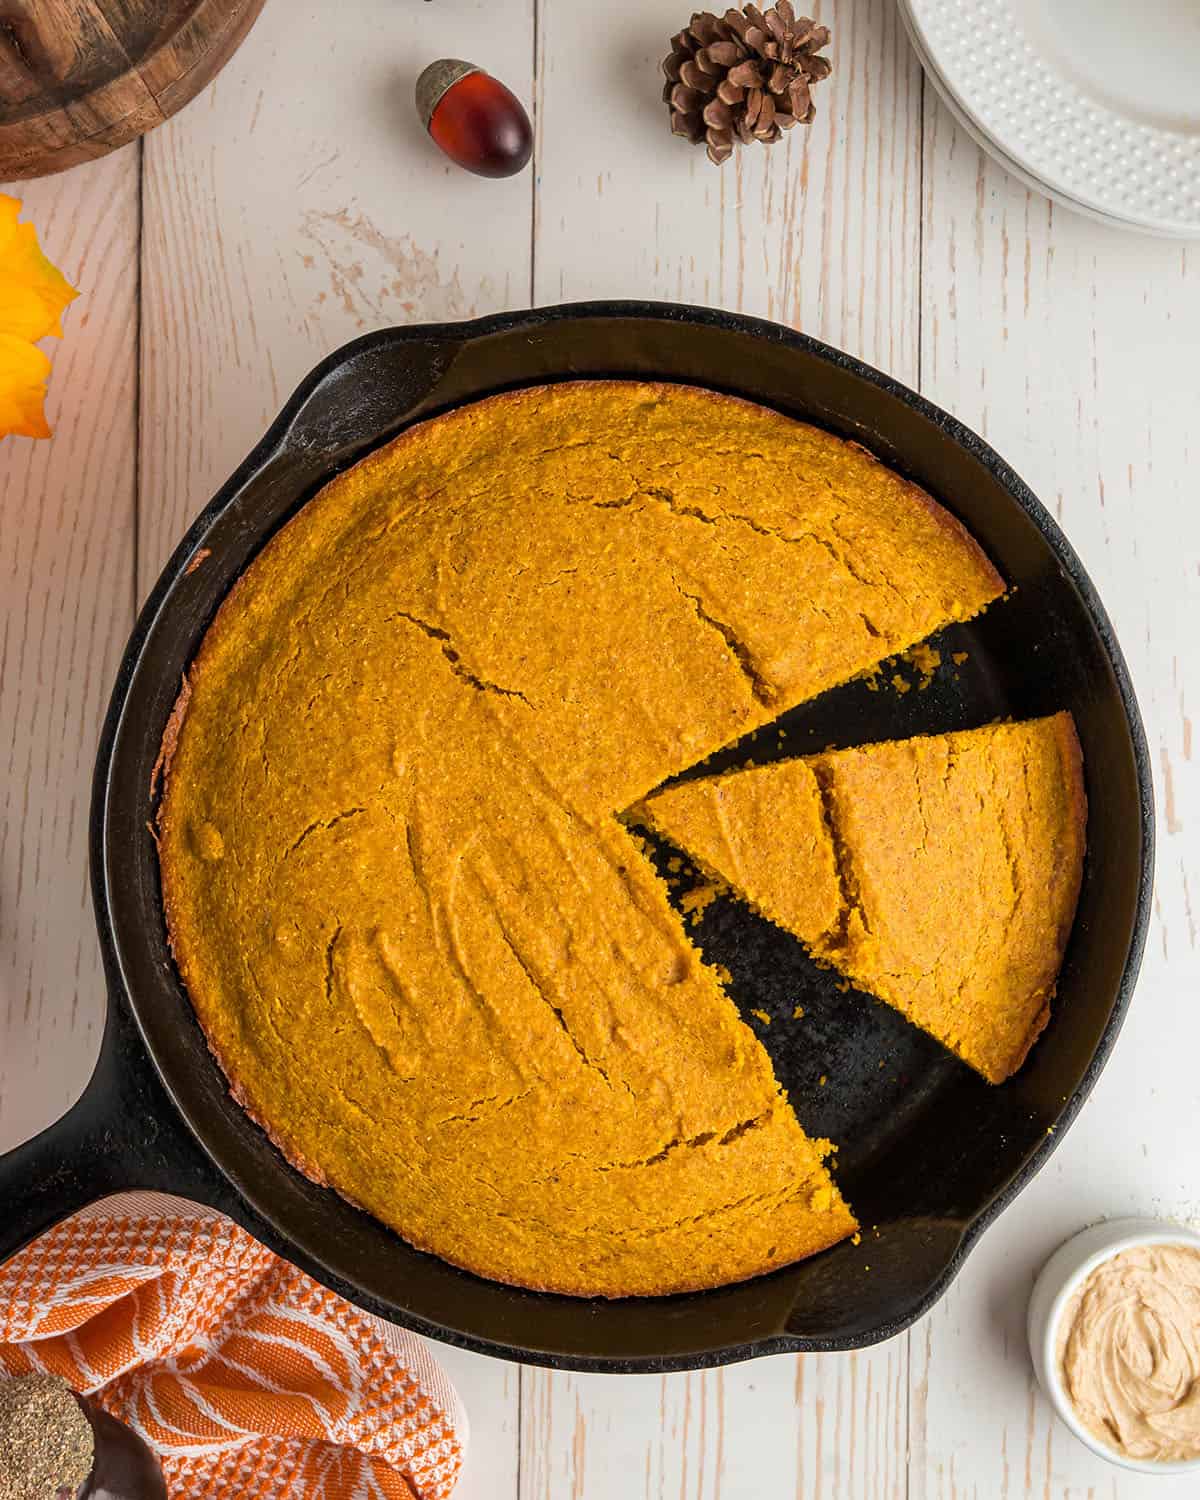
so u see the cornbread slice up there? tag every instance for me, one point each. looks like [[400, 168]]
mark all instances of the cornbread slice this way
[[431, 962], [763, 831], [939, 873]]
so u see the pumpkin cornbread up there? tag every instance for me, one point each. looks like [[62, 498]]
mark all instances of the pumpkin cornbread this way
[[764, 833], [939, 873], [430, 960]]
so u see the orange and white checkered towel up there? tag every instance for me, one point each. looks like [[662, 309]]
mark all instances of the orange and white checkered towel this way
[[247, 1377]]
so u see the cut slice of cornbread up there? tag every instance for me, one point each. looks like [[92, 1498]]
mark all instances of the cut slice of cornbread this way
[[940, 873]]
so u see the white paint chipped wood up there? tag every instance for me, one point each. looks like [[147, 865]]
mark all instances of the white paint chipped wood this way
[[295, 205], [66, 607]]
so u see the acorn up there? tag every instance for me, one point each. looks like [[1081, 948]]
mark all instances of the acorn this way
[[474, 118]]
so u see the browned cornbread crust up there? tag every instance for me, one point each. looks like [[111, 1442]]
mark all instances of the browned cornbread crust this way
[[429, 959], [941, 873]]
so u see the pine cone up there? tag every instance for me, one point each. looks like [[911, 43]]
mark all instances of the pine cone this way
[[746, 76]]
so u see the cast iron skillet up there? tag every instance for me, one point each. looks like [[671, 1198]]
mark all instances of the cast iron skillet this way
[[929, 1153]]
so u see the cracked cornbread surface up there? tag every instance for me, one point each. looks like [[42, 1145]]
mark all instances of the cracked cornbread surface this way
[[940, 873], [428, 957]]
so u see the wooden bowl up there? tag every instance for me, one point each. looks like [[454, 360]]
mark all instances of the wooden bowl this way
[[81, 77]]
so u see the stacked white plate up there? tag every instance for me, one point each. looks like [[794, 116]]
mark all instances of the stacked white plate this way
[[1093, 102]]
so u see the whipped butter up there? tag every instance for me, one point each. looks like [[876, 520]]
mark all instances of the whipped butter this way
[[1129, 1352]]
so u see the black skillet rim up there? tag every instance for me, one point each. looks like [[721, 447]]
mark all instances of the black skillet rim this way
[[460, 334]]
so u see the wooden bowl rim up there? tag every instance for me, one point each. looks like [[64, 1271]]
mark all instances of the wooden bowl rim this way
[[42, 157]]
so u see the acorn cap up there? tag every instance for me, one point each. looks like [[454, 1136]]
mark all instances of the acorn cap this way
[[436, 80]]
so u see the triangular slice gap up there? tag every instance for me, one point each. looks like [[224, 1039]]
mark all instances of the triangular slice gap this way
[[939, 873]]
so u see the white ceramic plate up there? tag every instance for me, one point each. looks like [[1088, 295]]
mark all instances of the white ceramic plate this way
[[981, 139], [1096, 103]]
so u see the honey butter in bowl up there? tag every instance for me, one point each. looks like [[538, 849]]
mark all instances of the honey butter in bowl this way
[[1114, 1331]]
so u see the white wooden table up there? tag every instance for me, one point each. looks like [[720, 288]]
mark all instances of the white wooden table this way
[[297, 203]]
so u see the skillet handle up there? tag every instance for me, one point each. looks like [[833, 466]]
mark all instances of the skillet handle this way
[[123, 1133], [369, 388]]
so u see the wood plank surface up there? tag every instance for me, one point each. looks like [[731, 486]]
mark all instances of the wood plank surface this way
[[66, 607], [817, 1426], [296, 204]]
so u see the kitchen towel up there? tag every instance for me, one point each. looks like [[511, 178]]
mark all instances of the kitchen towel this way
[[247, 1377]]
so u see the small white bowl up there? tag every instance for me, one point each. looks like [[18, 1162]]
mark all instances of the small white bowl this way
[[1060, 1278]]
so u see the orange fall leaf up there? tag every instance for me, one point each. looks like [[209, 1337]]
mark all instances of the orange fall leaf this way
[[33, 294]]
